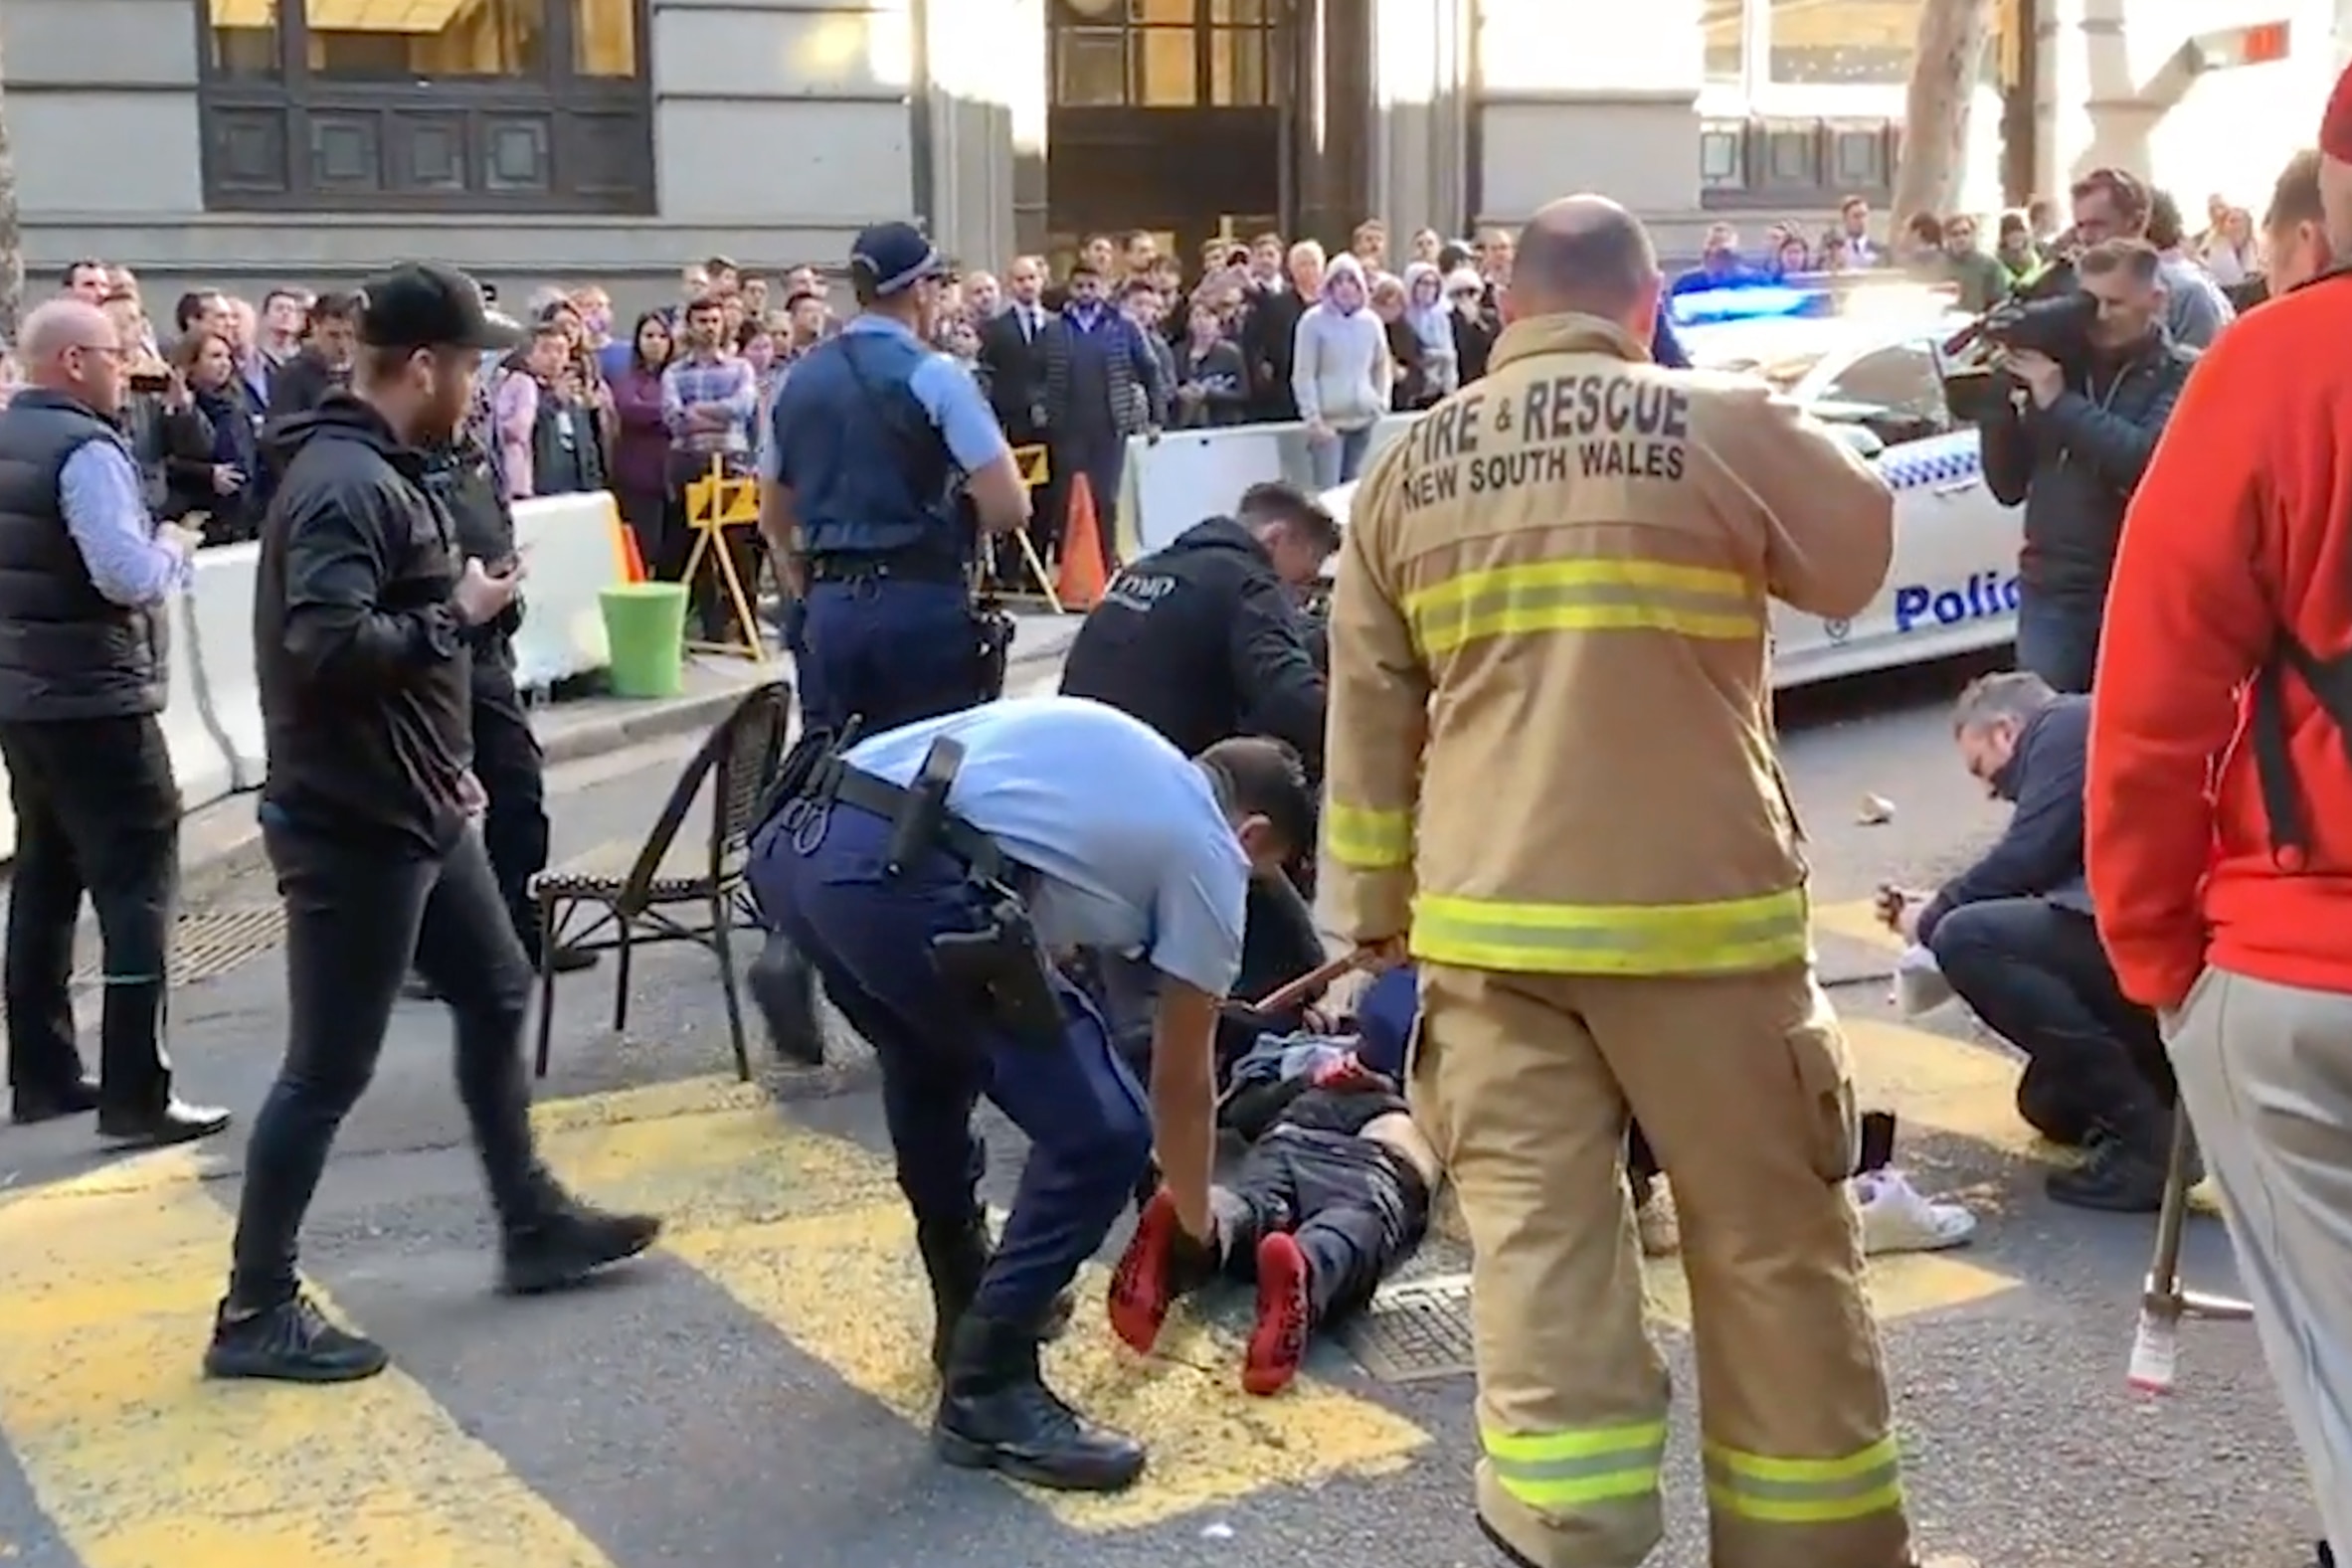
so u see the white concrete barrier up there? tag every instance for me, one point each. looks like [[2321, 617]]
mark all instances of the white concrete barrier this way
[[212, 721], [571, 545], [1189, 475], [200, 755], [220, 656]]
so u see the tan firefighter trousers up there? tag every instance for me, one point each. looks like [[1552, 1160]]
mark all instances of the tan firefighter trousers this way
[[1524, 1081]]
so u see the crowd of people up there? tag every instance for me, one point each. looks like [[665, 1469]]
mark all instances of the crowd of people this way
[[1125, 339]]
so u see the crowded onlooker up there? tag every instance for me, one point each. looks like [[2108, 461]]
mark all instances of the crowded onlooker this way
[[2195, 308], [1211, 382], [1473, 334], [1440, 363], [709, 399], [640, 441], [330, 342], [1981, 279], [2014, 248], [1278, 298], [222, 485], [1853, 233], [1101, 385], [1341, 374]]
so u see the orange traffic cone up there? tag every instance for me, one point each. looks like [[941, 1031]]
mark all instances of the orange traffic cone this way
[[624, 544], [1084, 572]]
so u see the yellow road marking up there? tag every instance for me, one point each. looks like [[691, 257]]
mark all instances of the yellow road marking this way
[[139, 1464], [1856, 920], [809, 1232], [1899, 1284]]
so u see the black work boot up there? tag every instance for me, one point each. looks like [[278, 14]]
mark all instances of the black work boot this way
[[954, 1260], [782, 987], [995, 1413], [2123, 1174], [566, 1244], [290, 1343]]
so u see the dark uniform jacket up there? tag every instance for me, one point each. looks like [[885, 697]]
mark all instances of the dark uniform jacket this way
[[67, 651], [1201, 641], [363, 662], [2039, 855], [2075, 465]]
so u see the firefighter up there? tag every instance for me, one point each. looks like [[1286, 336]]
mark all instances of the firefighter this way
[[1552, 607]]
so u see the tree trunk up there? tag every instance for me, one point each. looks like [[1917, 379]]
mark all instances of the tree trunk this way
[[1953, 39], [12, 234]]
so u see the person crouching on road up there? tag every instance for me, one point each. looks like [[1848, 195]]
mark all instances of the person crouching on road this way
[[1065, 824], [2015, 936], [363, 604]]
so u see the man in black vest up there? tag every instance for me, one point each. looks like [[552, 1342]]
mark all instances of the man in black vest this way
[[85, 577]]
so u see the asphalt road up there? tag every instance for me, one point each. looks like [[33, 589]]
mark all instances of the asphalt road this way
[[751, 1394]]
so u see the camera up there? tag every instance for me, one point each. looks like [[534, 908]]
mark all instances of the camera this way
[[2051, 316]]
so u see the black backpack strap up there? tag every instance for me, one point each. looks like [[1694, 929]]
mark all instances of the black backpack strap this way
[[2330, 683]]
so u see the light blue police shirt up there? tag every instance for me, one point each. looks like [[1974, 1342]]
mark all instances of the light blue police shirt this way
[[957, 408], [1133, 852]]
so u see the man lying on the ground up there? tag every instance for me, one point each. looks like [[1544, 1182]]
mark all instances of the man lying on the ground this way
[[1333, 1193]]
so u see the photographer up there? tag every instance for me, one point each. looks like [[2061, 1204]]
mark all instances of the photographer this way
[[2071, 442]]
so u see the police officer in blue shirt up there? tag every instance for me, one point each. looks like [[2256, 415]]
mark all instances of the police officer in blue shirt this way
[[873, 434], [928, 872]]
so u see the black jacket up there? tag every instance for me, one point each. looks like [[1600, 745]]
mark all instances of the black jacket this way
[[2040, 854], [1269, 344], [363, 662], [1201, 641], [303, 384], [1016, 376], [2076, 463]]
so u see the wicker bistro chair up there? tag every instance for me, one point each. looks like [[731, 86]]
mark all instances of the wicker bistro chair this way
[[702, 898]]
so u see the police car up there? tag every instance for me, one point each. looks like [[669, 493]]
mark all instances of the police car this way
[[1869, 368]]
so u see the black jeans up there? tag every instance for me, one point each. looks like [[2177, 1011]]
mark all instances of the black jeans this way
[[1355, 1207], [513, 773], [355, 913], [2036, 975], [97, 812]]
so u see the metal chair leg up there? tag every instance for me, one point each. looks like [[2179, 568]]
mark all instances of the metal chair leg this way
[[547, 945], [2162, 1293], [722, 933], [620, 972]]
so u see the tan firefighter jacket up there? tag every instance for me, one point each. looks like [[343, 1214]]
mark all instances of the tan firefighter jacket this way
[[1550, 738]]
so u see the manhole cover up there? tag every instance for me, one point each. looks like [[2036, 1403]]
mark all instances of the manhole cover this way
[[1414, 1332], [207, 945]]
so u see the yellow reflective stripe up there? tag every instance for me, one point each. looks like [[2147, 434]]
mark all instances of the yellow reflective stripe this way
[[1805, 1490], [1584, 596], [1577, 1468], [1367, 839], [1728, 936]]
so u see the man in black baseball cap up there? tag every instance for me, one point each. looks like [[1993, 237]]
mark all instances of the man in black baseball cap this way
[[368, 813]]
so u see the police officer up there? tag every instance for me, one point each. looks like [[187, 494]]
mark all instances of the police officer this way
[[895, 871], [859, 499], [1203, 639], [359, 635]]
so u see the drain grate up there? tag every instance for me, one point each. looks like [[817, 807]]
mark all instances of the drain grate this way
[[207, 945], [1414, 1330]]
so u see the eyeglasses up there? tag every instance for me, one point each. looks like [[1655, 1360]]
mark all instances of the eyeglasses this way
[[114, 351]]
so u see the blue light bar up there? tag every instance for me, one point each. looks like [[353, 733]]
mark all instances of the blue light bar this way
[[1752, 302]]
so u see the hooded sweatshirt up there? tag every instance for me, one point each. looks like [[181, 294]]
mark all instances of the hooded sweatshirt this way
[[1433, 325], [1341, 372]]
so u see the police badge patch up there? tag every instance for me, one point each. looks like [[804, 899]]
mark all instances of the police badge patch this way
[[1836, 630]]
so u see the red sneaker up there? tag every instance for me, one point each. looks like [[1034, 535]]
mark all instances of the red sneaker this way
[[1143, 1287], [1278, 1342]]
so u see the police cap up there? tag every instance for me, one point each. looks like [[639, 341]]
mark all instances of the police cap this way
[[890, 259]]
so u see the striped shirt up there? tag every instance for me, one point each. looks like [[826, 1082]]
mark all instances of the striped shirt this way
[[688, 383]]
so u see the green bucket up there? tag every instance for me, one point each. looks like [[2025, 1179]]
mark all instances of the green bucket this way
[[645, 625]]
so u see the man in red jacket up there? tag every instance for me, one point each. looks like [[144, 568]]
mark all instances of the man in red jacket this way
[[2220, 790]]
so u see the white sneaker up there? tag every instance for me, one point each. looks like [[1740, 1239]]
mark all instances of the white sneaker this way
[[1896, 1217]]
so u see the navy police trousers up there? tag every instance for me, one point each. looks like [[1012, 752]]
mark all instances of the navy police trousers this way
[[822, 883], [891, 651]]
